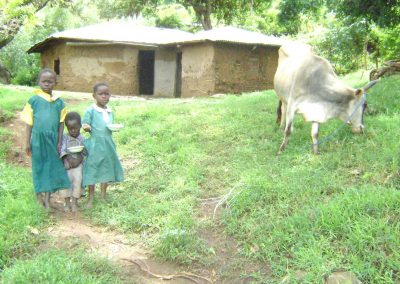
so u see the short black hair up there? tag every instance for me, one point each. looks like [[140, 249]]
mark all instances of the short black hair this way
[[98, 85], [46, 70], [73, 115]]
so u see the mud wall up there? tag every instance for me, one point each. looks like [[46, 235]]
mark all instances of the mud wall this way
[[197, 70], [244, 68], [83, 66], [164, 72]]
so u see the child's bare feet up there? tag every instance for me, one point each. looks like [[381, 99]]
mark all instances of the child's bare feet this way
[[39, 198], [74, 205], [47, 201], [91, 196], [67, 208], [103, 191], [67, 204], [89, 204]]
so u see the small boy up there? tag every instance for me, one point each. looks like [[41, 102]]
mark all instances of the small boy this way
[[72, 160]]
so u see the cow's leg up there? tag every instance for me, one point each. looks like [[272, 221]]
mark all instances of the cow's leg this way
[[314, 137], [288, 128], [283, 115], [279, 113]]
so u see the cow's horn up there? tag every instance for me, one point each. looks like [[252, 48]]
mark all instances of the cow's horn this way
[[369, 85]]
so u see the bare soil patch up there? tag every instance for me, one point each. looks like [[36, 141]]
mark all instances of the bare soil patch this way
[[136, 263], [228, 264]]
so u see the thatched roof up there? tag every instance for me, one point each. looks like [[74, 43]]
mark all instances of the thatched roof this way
[[130, 34]]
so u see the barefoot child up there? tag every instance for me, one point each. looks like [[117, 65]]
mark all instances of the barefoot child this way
[[72, 160], [44, 116], [102, 164]]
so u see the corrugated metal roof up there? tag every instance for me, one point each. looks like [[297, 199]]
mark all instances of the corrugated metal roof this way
[[125, 32], [236, 35], [128, 33]]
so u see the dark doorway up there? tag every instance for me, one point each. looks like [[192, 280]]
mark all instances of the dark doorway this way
[[57, 66], [178, 75], [146, 72]]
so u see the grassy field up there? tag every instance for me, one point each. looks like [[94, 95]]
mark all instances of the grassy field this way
[[295, 212]]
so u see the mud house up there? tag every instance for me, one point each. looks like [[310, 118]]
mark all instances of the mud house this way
[[137, 60]]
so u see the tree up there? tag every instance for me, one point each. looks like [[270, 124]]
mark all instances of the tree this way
[[222, 10], [14, 13], [384, 13], [110, 9], [291, 12], [24, 67]]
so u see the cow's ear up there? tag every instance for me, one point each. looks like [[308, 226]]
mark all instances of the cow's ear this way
[[358, 93]]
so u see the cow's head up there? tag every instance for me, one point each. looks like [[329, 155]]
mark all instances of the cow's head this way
[[360, 104]]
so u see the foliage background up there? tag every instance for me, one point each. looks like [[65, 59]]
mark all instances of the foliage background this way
[[362, 35]]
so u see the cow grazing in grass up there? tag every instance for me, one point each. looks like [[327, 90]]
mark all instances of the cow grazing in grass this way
[[306, 83]]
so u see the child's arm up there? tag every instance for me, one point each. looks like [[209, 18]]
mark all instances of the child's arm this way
[[27, 117], [60, 135], [87, 120], [86, 127], [28, 132]]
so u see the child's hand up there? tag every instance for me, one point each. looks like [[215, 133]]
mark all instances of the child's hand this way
[[86, 127]]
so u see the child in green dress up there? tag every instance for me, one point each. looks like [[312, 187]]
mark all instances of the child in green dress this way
[[44, 116], [102, 164]]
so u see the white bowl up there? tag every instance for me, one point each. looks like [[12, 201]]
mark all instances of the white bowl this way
[[115, 127], [75, 149]]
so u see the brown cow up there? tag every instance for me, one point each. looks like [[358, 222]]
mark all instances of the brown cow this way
[[306, 83]]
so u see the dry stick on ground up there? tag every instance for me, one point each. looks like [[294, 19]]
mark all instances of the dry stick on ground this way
[[229, 196], [184, 275]]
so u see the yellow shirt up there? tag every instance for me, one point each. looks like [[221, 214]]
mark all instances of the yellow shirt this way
[[27, 112]]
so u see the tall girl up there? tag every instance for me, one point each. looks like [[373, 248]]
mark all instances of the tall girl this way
[[102, 164], [44, 116]]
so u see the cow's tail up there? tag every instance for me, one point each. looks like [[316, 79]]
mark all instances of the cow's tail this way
[[279, 112]]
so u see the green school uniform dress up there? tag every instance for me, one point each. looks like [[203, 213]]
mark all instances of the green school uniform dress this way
[[45, 113], [102, 164]]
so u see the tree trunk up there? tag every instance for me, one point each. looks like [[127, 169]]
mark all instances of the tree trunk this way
[[10, 28], [203, 14]]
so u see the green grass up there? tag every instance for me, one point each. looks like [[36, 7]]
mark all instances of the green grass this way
[[57, 266], [11, 100], [18, 211], [296, 211], [292, 211]]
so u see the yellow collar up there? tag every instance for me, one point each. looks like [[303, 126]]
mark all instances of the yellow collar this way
[[47, 96]]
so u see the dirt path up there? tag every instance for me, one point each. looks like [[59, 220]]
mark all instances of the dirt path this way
[[136, 262], [137, 266]]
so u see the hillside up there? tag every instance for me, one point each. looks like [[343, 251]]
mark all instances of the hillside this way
[[287, 215]]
